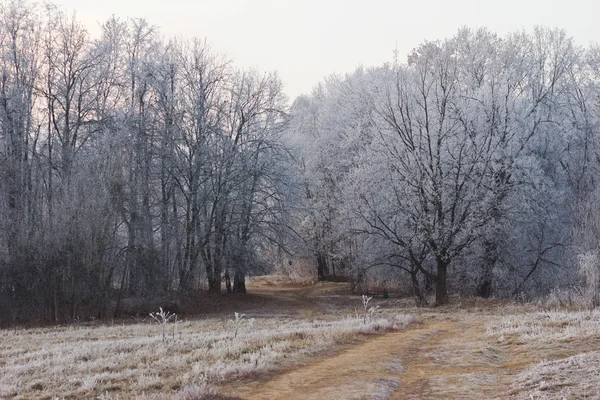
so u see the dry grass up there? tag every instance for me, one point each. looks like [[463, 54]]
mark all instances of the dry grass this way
[[566, 338], [131, 360], [470, 349], [548, 327], [576, 377]]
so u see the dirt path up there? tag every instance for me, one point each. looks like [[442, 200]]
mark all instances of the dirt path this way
[[379, 368], [301, 301], [453, 361], [447, 356], [444, 358]]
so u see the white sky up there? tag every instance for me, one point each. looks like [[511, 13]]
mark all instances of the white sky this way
[[307, 40]]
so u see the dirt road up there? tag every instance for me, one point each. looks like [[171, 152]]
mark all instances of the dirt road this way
[[427, 362], [447, 356]]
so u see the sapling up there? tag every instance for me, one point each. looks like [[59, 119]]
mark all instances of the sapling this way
[[237, 323], [162, 318], [368, 311]]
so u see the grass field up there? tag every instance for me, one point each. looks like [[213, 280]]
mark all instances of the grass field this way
[[313, 342]]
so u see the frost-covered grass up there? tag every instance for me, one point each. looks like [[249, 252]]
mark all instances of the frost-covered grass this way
[[548, 327], [567, 338], [132, 360], [576, 377]]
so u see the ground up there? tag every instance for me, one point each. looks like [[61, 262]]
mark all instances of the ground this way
[[312, 342]]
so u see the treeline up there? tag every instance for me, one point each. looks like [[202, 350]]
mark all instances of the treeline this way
[[129, 165], [473, 166], [133, 165]]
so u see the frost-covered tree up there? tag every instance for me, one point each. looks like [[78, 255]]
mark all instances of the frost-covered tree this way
[[457, 151], [130, 164], [330, 129]]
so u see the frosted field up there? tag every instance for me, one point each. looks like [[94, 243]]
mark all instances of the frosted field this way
[[131, 360]]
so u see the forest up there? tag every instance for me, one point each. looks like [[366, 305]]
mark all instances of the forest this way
[[134, 165]]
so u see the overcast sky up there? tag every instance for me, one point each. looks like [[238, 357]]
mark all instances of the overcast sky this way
[[306, 40]]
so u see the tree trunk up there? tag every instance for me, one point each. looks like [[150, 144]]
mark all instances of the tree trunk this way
[[239, 282], [418, 293], [117, 312], [322, 270], [441, 289], [214, 276], [214, 284], [228, 281], [484, 289], [485, 285], [165, 234]]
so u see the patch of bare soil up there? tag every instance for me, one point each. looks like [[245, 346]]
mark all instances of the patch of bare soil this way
[[284, 298], [275, 296]]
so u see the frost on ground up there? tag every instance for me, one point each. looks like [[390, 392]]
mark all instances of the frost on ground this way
[[133, 360], [548, 327], [572, 377], [576, 377]]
